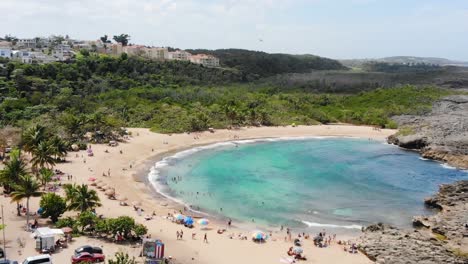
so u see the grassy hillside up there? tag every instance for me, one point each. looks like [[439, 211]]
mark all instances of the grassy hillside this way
[[265, 64], [99, 94]]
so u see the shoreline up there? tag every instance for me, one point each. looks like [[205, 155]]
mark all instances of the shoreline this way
[[128, 165], [144, 176]]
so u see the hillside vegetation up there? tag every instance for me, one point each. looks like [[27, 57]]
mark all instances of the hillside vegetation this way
[[100, 94], [262, 64]]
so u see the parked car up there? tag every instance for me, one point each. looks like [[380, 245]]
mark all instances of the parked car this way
[[6, 261], [88, 249], [40, 259], [86, 257]]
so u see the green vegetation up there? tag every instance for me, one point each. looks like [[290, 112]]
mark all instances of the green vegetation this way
[[92, 98], [26, 188], [262, 64], [405, 131], [121, 258], [80, 198], [53, 206]]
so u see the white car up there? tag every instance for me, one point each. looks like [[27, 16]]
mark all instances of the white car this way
[[41, 259]]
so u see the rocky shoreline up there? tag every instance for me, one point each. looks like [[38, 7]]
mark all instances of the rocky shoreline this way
[[441, 238], [440, 135]]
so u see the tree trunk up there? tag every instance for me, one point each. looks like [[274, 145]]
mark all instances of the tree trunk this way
[[27, 214], [18, 210]]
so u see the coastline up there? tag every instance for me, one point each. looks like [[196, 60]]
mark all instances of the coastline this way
[[129, 171]]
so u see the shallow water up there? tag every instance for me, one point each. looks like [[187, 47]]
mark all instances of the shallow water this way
[[318, 183]]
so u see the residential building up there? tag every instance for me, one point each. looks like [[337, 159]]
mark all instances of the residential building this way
[[134, 50], [5, 49], [157, 53], [116, 49], [62, 52], [26, 43], [205, 60], [23, 56], [180, 55]]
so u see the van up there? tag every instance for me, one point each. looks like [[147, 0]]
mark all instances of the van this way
[[41, 259]]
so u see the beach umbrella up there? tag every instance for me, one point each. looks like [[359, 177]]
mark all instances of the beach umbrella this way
[[298, 250], [259, 235], [188, 220], [91, 179], [203, 222], [40, 210], [67, 229], [179, 217], [110, 192]]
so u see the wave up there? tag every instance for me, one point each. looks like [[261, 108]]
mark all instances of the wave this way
[[445, 165], [421, 158], [312, 224]]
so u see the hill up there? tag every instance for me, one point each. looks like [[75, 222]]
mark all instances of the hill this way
[[357, 63], [264, 64]]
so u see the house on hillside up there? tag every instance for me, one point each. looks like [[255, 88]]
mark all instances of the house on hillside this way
[[180, 55], [116, 49], [134, 50], [5, 49], [157, 53], [30, 57], [205, 60], [26, 43], [62, 52]]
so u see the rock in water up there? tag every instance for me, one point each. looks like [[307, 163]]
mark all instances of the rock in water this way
[[442, 238], [441, 135]]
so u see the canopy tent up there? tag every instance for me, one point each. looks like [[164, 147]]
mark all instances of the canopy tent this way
[[45, 232]]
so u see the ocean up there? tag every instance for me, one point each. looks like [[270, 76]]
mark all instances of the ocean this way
[[306, 183]]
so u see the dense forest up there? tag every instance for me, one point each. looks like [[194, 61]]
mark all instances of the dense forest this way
[[100, 94], [263, 64]]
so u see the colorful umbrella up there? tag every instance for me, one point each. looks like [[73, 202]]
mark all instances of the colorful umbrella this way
[[40, 210], [203, 222], [179, 217], [298, 250], [67, 229], [259, 235], [188, 220], [91, 179]]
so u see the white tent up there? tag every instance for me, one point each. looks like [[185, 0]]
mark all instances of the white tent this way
[[47, 232]]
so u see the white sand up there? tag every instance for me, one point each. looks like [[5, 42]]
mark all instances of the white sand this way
[[136, 152]]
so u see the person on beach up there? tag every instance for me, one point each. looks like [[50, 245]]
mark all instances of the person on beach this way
[[178, 235], [229, 222], [181, 234], [205, 238]]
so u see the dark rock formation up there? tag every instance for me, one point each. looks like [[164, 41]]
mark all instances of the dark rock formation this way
[[440, 135], [441, 238]]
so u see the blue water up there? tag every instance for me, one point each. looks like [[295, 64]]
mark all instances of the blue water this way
[[331, 182]]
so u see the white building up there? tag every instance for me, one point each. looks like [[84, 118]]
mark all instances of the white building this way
[[205, 60], [157, 53], [62, 52], [5, 49], [26, 43], [180, 55]]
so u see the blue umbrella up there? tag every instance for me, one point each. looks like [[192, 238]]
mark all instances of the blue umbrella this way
[[188, 220], [40, 210]]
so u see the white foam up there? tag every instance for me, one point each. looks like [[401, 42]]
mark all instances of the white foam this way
[[421, 158], [445, 165], [312, 224]]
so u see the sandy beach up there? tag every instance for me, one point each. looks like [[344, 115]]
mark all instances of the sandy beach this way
[[129, 163]]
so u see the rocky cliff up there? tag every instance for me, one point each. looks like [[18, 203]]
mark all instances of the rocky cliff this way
[[441, 135], [441, 238]]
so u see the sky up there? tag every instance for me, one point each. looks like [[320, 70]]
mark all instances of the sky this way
[[340, 29]]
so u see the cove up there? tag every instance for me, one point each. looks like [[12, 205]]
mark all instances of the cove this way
[[315, 182]]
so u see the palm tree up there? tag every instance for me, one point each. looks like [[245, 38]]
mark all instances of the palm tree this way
[[43, 156], [80, 198], [12, 173], [28, 187], [13, 170], [45, 175], [59, 147], [33, 136]]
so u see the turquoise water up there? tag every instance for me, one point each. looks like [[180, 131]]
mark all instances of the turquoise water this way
[[327, 182]]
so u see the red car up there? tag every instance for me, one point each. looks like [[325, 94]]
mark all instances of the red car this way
[[86, 257]]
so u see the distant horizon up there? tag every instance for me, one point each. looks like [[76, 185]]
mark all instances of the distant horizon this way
[[339, 29]]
